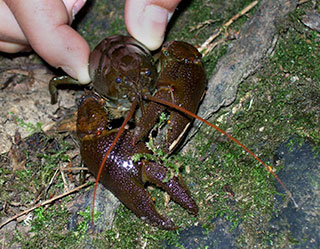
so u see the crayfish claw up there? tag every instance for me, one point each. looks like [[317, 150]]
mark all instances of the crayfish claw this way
[[133, 195], [175, 186]]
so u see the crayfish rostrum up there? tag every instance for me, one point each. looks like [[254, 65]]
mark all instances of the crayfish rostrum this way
[[128, 87]]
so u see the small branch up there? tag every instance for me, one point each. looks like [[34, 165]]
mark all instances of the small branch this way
[[204, 48], [211, 46], [202, 25], [303, 1], [44, 203], [74, 168], [65, 184], [51, 181], [241, 13]]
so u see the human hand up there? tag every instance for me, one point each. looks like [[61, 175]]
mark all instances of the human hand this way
[[44, 25], [147, 20]]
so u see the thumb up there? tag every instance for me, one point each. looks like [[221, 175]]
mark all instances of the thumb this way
[[146, 20]]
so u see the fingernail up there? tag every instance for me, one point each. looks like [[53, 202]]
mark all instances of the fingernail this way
[[82, 75], [69, 71], [156, 14], [153, 26], [77, 6]]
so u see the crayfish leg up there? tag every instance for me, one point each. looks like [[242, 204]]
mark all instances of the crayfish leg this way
[[177, 123], [175, 187], [147, 121], [58, 81]]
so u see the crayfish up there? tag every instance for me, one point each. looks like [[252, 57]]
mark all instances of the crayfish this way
[[114, 122]]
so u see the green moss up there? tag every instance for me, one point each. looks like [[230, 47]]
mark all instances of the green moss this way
[[210, 61], [46, 229], [195, 21], [100, 19], [35, 182], [27, 126]]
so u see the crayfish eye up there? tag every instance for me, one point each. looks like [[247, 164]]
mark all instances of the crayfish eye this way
[[118, 80], [166, 53], [148, 73]]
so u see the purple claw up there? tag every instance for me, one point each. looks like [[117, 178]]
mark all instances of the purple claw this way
[[124, 178]]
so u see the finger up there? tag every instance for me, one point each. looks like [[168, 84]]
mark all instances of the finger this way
[[45, 24], [9, 28], [73, 7], [146, 20], [9, 47]]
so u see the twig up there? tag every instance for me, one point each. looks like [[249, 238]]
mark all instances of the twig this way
[[303, 1], [39, 194], [44, 203], [204, 48], [213, 45], [51, 181], [205, 45], [203, 25], [74, 168], [65, 184]]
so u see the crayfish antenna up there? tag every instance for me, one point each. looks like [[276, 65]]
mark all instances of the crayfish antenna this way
[[181, 109], [121, 130]]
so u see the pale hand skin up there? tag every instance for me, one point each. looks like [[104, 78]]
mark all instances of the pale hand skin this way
[[44, 26]]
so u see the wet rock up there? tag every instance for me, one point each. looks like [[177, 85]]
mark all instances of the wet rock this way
[[222, 237], [292, 227], [106, 205], [300, 226], [312, 20]]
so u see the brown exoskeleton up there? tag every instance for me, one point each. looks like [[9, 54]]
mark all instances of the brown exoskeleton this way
[[124, 77]]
